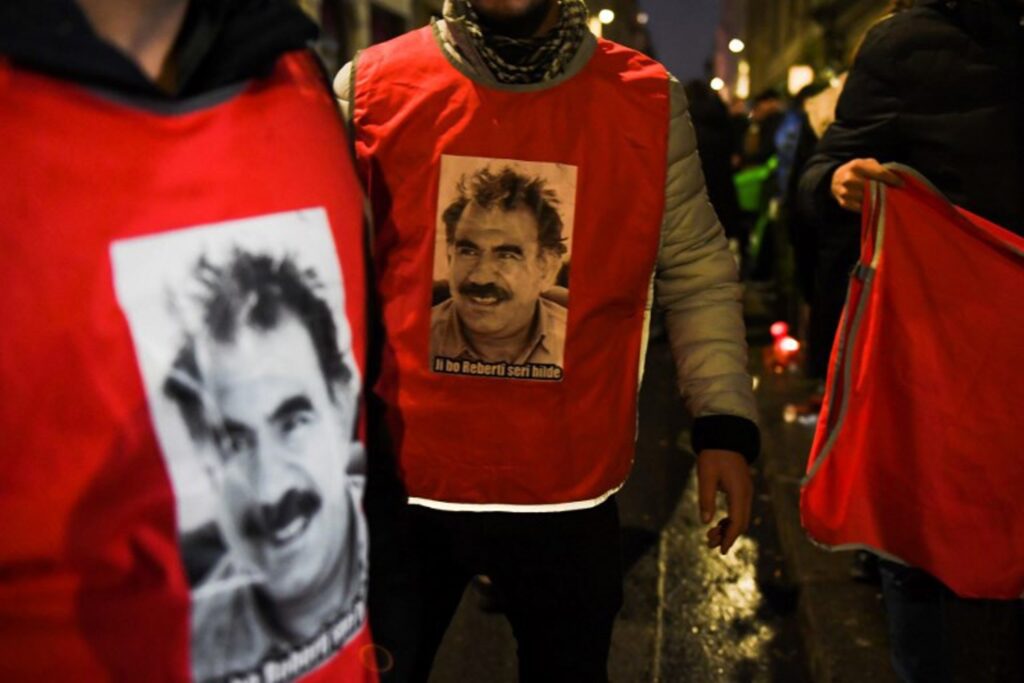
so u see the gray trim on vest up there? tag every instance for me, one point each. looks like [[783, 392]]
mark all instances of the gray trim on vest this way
[[844, 367], [866, 274], [844, 351], [164, 107]]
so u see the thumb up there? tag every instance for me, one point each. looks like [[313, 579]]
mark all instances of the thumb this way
[[873, 169], [707, 485]]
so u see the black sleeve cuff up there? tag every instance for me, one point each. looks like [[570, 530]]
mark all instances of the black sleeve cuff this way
[[727, 432]]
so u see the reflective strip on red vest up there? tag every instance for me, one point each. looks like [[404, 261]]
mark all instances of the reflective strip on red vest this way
[[917, 454], [124, 552], [551, 425]]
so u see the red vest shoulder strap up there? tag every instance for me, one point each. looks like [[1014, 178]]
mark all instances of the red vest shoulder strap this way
[[400, 54], [624, 60]]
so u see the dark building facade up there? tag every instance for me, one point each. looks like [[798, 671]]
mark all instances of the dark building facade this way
[[351, 25], [778, 34]]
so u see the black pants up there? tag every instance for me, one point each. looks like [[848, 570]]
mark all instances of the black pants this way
[[937, 637], [559, 576]]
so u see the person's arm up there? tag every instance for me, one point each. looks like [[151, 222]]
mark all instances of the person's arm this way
[[696, 284], [344, 90], [864, 134]]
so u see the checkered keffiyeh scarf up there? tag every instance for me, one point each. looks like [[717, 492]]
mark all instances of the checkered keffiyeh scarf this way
[[518, 60]]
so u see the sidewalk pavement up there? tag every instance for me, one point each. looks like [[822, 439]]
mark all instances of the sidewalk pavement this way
[[841, 620]]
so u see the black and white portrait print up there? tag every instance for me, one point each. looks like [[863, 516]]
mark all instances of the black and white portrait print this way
[[501, 268], [246, 355]]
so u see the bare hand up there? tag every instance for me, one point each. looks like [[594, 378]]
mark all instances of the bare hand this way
[[728, 472], [848, 181]]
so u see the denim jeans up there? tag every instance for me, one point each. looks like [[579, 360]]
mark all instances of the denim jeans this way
[[939, 637], [916, 605]]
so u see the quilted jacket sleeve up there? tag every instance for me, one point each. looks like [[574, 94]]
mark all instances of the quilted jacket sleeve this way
[[866, 125], [696, 284], [343, 90]]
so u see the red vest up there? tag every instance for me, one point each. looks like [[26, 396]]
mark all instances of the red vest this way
[[556, 433], [100, 201], [917, 452]]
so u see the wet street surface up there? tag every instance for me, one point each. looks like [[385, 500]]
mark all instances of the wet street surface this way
[[689, 614], [777, 608]]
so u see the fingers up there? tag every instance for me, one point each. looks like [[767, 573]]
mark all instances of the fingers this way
[[707, 486], [726, 471], [848, 185], [716, 533], [871, 169], [848, 181], [888, 177], [740, 495], [850, 195]]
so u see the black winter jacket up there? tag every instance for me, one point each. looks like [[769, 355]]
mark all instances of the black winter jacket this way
[[939, 88]]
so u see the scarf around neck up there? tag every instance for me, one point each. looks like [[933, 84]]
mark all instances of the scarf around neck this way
[[518, 60]]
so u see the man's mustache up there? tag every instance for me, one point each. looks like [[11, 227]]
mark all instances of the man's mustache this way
[[485, 291], [263, 520]]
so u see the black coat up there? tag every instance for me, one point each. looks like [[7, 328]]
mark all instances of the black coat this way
[[938, 88], [715, 146]]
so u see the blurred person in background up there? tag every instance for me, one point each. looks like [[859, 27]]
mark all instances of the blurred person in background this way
[[715, 145], [795, 141], [739, 120], [824, 255], [936, 88], [765, 118]]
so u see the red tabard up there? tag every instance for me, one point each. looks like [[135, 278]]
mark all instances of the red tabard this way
[[917, 452], [93, 583], [497, 436]]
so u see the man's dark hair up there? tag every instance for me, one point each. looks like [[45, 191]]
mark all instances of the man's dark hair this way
[[256, 291], [509, 190]]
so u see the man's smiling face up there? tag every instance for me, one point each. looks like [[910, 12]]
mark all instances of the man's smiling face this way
[[283, 442], [498, 270]]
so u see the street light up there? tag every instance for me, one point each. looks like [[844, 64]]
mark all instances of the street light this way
[[736, 46], [642, 18], [743, 79], [606, 16], [717, 84], [798, 77]]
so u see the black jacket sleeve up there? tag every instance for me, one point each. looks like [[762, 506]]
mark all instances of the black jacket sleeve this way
[[865, 126]]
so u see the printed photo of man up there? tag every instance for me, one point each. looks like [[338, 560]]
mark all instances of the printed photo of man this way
[[265, 383], [505, 248]]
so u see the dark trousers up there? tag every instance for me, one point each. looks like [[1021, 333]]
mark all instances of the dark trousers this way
[[915, 604], [559, 576], [937, 637]]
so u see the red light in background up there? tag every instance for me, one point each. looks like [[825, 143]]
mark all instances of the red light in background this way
[[789, 345], [779, 329], [784, 352]]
